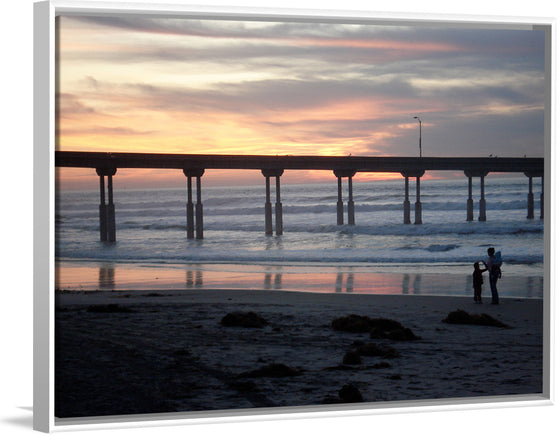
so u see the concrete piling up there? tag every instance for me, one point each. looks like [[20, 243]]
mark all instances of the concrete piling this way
[[470, 205], [195, 224], [339, 204], [530, 195], [351, 218], [107, 225], [530, 201], [542, 196], [190, 210], [406, 204], [279, 226], [278, 209], [199, 214], [102, 210], [482, 202], [339, 174], [418, 204], [111, 225], [267, 210]]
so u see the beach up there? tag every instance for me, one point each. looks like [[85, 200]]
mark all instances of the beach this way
[[139, 352]]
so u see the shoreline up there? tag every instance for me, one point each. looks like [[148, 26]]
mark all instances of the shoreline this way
[[452, 280], [169, 351]]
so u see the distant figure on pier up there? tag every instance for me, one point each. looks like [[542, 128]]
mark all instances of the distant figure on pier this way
[[477, 282], [493, 265]]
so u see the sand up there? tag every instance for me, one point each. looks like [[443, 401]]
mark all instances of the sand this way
[[167, 351]]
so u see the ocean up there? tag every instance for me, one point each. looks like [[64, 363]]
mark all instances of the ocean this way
[[379, 254]]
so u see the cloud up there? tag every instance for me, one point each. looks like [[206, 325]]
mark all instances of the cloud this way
[[272, 86], [99, 130], [69, 105]]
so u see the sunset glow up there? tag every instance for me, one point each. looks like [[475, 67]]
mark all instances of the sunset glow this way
[[155, 85]]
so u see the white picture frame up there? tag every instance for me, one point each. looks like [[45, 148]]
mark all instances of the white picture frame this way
[[44, 122]]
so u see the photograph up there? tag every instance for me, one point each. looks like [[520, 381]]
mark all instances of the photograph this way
[[297, 213]]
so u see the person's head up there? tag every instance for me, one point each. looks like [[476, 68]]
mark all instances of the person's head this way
[[476, 266], [491, 252]]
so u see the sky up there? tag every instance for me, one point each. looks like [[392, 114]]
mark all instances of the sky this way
[[163, 85]]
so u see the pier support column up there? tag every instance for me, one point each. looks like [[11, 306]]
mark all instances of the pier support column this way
[[107, 226], [102, 209], [278, 209], [267, 210], [195, 224], [111, 226], [339, 204], [351, 218], [279, 226], [542, 196], [342, 173], [470, 206], [199, 213], [530, 196], [530, 201], [190, 210], [418, 204], [482, 203], [406, 204]]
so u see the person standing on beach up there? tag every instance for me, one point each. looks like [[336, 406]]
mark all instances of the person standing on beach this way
[[494, 272], [477, 283]]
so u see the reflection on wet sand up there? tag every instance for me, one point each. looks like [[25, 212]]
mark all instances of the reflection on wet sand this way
[[194, 278], [107, 277], [405, 283], [273, 284], [361, 280], [340, 280], [416, 284]]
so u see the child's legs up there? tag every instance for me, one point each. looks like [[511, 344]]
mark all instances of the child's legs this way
[[478, 293]]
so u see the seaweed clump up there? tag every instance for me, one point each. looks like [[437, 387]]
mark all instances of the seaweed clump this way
[[377, 327], [461, 317]]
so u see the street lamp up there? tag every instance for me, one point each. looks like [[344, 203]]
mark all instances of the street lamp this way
[[420, 139]]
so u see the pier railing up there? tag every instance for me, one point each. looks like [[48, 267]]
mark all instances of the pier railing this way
[[194, 165]]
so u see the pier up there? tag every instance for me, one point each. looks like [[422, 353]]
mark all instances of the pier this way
[[273, 167]]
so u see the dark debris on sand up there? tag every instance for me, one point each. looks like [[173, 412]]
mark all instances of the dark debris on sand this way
[[378, 328], [461, 317], [347, 394], [352, 358], [246, 320], [109, 308]]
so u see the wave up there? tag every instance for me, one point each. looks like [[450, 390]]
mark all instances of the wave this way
[[332, 257], [465, 228], [130, 212], [381, 229], [441, 248]]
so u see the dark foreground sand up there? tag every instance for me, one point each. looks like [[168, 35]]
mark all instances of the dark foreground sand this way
[[168, 351]]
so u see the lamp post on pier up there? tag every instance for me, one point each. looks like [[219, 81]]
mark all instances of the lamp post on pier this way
[[420, 138]]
